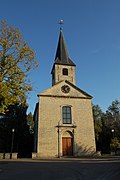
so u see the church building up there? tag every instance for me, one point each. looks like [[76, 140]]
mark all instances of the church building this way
[[63, 115]]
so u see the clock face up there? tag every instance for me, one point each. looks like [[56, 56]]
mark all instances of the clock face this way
[[65, 89]]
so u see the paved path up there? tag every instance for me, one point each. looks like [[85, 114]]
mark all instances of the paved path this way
[[63, 169]]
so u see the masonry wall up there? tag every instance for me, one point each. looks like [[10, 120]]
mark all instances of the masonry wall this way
[[50, 116], [59, 74]]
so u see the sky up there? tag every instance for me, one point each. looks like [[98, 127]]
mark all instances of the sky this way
[[92, 34]]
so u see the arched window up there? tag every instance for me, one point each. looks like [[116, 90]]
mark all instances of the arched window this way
[[65, 71], [66, 115]]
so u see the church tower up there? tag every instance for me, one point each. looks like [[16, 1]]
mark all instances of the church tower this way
[[63, 67], [63, 115]]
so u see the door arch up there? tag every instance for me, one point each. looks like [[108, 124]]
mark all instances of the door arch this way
[[67, 143]]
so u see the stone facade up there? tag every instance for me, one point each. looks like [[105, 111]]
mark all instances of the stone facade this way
[[63, 115], [58, 75], [50, 126]]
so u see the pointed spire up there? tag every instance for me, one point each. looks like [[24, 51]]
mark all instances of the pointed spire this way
[[62, 56]]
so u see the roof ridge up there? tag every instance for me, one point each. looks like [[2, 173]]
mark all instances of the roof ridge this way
[[77, 88]]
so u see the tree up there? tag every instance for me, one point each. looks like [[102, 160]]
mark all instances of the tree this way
[[115, 144], [97, 116], [114, 108], [110, 126], [113, 117], [97, 112], [30, 122], [16, 118], [16, 60], [107, 127]]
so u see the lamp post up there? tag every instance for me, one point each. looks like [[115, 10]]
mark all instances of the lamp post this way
[[13, 130], [113, 133]]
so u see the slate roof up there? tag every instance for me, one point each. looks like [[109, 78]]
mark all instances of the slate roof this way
[[62, 56]]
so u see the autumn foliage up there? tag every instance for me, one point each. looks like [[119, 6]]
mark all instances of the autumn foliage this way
[[16, 60]]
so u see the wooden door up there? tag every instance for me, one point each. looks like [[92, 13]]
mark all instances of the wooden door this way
[[67, 146]]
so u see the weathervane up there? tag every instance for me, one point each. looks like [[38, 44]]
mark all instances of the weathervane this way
[[61, 23]]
